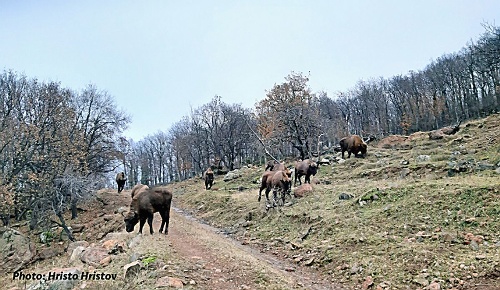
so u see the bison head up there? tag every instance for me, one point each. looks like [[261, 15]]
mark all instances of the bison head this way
[[131, 219], [313, 168], [363, 148]]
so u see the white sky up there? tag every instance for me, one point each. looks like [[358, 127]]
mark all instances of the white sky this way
[[159, 59]]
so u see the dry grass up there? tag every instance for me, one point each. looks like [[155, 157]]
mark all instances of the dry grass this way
[[412, 227]]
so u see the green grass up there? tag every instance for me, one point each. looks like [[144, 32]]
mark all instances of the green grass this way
[[409, 226]]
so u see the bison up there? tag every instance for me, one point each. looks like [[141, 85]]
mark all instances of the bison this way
[[120, 180], [209, 178], [145, 202], [270, 164], [353, 144], [275, 180], [305, 167]]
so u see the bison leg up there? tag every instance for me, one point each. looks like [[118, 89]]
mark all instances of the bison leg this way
[[260, 193], [268, 189], [300, 181], [165, 218], [150, 223], [142, 221]]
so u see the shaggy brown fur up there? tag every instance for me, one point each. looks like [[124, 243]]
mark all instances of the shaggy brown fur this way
[[209, 178], [270, 164], [353, 144], [306, 167], [275, 180], [120, 180], [145, 202]]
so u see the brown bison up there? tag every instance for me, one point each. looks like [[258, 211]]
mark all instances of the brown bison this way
[[145, 202], [275, 180], [305, 167], [278, 166], [270, 164], [209, 178], [353, 144], [120, 180]]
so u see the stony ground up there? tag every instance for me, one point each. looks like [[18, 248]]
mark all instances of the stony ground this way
[[424, 214], [193, 255]]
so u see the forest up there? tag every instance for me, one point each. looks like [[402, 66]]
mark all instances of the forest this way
[[58, 146]]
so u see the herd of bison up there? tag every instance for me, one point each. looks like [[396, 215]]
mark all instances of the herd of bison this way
[[277, 177]]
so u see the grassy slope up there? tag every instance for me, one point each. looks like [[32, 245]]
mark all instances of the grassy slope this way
[[411, 234]]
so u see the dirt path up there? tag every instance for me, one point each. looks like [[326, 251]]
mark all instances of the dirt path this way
[[215, 261]]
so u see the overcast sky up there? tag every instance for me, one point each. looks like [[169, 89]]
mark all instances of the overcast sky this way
[[159, 59]]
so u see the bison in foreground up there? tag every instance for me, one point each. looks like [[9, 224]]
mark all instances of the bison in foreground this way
[[353, 144], [145, 202], [277, 181], [306, 167], [120, 180], [209, 178]]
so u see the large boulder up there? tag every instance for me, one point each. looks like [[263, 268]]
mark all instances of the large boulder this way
[[16, 250], [303, 190], [94, 255]]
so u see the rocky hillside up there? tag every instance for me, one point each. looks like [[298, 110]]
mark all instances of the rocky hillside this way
[[424, 212], [419, 212]]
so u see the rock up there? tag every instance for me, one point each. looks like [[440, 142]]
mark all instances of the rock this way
[[232, 175], [421, 281], [481, 166], [134, 241], [404, 172], [367, 283], [104, 262], [169, 282], [48, 253], [121, 209], [108, 217], [355, 269], [436, 135], [15, 250], [423, 158], [77, 228], [131, 269], [302, 190], [109, 244], [434, 286], [59, 284], [94, 255], [134, 257], [344, 195], [76, 254], [117, 249], [404, 162], [75, 245], [474, 246]]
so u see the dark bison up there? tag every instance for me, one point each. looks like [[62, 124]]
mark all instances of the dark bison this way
[[305, 167], [209, 178], [145, 202], [277, 181], [353, 144], [120, 180]]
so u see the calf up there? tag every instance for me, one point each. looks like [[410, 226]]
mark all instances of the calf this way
[[145, 202], [277, 181]]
